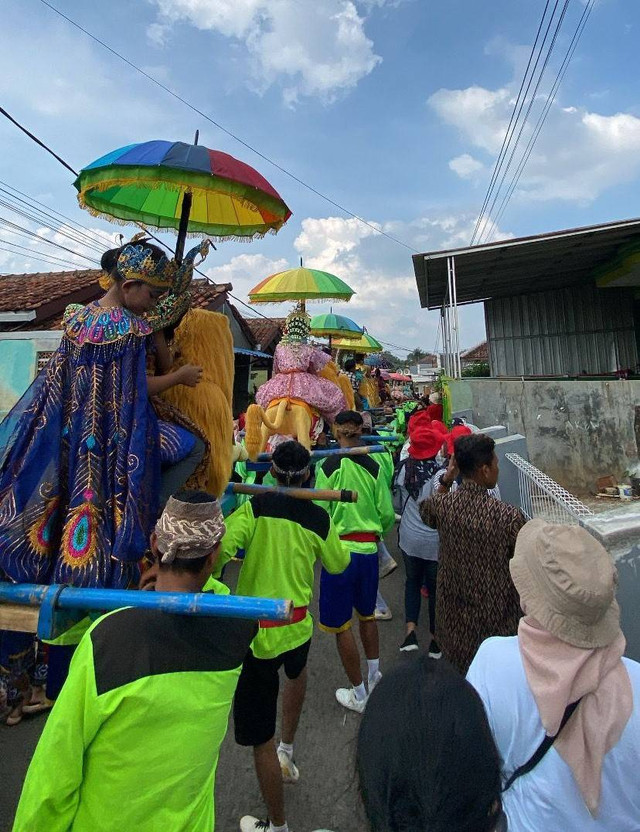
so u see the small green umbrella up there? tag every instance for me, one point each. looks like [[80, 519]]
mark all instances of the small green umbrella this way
[[365, 344], [300, 284], [330, 325]]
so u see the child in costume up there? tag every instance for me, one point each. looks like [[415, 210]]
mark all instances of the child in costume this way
[[82, 451], [296, 365]]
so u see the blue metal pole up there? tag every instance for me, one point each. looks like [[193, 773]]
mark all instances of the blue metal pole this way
[[184, 603], [383, 437], [363, 450]]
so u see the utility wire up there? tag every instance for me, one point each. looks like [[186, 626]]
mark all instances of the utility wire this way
[[550, 99], [41, 257], [33, 217], [225, 130], [523, 124], [36, 139], [498, 163], [26, 232]]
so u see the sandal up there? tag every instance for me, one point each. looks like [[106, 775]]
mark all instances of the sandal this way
[[37, 703]]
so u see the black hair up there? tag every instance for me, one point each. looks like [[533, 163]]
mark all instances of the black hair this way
[[426, 759], [290, 457], [191, 565], [109, 260], [350, 364], [348, 417], [472, 452]]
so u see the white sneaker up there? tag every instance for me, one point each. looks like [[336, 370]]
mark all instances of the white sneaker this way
[[383, 615], [250, 824], [290, 772], [374, 681], [347, 698], [386, 568]]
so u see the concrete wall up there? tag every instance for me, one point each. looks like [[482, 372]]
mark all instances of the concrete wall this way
[[576, 431]]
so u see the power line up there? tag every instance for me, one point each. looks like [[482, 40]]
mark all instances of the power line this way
[[532, 101], [548, 104], [31, 216], [50, 259], [500, 158], [225, 130], [22, 231], [36, 140]]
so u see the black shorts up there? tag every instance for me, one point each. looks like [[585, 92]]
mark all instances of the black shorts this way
[[255, 705]]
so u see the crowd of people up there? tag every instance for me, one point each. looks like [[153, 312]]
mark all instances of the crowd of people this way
[[519, 714]]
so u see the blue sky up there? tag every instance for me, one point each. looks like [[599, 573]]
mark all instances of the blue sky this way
[[394, 108]]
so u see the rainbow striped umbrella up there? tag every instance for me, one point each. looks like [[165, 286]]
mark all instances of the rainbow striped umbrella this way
[[330, 325], [300, 284], [182, 186], [365, 344]]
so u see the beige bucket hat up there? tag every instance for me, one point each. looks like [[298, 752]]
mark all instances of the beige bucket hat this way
[[567, 582]]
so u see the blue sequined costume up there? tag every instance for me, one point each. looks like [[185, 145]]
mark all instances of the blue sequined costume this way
[[80, 458]]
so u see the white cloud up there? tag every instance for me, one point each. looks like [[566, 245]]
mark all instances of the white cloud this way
[[381, 271], [245, 270], [578, 155], [465, 166], [314, 48]]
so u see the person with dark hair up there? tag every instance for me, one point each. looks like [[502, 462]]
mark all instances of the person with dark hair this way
[[355, 378], [85, 464], [282, 537], [360, 525], [475, 595], [124, 736], [426, 759]]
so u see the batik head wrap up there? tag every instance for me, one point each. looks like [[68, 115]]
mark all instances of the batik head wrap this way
[[188, 530]]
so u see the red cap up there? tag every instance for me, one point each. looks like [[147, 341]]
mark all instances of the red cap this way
[[425, 442], [456, 432], [419, 417]]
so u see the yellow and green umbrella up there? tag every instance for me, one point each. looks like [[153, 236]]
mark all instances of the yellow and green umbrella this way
[[335, 326], [365, 344], [300, 284]]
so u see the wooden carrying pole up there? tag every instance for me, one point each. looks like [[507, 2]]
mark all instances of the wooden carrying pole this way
[[361, 450], [327, 495]]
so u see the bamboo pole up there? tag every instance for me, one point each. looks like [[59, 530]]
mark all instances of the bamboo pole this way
[[325, 494]]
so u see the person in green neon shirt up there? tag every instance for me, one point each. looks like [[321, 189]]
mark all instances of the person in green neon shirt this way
[[360, 525], [282, 538], [133, 740]]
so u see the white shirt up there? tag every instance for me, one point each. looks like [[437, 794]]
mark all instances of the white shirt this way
[[547, 799]]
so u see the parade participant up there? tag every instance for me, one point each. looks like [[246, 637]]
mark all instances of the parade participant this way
[[475, 595], [355, 379], [80, 471], [561, 698], [126, 745], [435, 409], [282, 537], [360, 525], [418, 543], [426, 759]]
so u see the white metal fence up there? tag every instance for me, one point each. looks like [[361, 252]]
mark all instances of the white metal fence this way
[[542, 497]]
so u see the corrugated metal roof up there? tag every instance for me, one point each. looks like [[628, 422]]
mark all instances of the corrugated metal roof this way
[[515, 267]]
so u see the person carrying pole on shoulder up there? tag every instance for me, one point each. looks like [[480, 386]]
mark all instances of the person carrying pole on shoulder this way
[[134, 737], [282, 537], [360, 525]]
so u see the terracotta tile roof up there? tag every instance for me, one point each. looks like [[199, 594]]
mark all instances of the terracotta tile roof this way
[[266, 330], [49, 293], [478, 353]]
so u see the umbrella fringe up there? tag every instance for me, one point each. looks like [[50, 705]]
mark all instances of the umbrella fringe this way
[[215, 238], [258, 299]]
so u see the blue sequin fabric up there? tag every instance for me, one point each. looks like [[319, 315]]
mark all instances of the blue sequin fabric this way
[[80, 458]]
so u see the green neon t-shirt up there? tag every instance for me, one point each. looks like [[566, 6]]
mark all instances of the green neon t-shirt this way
[[282, 538], [132, 742], [373, 512]]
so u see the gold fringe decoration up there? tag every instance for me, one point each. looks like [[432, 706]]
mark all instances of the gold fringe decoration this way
[[204, 338], [332, 374]]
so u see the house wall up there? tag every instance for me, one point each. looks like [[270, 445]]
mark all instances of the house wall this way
[[576, 431], [578, 329], [19, 353]]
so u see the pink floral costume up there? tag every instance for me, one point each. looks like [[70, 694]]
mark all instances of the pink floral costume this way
[[295, 366]]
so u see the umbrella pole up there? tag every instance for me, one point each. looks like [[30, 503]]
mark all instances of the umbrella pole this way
[[182, 229]]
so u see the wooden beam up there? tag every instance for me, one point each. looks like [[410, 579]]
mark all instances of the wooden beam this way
[[19, 618]]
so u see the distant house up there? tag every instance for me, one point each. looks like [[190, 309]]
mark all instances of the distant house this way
[[475, 355], [31, 310], [267, 333]]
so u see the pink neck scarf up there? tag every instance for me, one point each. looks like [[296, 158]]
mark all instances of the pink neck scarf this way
[[559, 674]]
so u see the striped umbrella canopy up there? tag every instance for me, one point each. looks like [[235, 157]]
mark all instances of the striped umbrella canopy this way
[[156, 183], [300, 284], [330, 325], [365, 344]]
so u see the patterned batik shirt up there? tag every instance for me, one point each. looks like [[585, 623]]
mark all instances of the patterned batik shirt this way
[[475, 596]]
